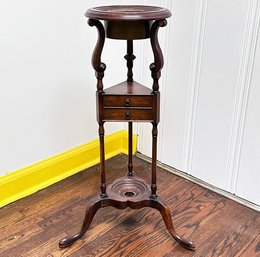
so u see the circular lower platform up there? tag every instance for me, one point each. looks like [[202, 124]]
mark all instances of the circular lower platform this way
[[129, 188]]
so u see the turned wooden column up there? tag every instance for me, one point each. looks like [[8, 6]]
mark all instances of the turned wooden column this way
[[130, 58]]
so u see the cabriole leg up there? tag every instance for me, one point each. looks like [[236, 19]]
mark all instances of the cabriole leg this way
[[92, 208], [166, 215]]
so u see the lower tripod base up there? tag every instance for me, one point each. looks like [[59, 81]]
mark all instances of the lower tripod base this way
[[132, 192]]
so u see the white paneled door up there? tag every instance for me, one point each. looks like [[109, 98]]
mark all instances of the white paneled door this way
[[210, 109]]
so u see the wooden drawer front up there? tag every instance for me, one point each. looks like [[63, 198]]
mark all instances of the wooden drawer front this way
[[127, 101], [127, 114]]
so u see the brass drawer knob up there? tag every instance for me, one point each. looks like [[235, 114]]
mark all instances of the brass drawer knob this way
[[128, 115], [127, 102]]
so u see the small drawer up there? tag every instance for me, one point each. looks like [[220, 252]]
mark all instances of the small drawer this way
[[127, 114], [127, 101]]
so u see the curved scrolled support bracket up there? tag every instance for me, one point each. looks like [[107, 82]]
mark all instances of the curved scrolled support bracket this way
[[98, 66], [157, 65]]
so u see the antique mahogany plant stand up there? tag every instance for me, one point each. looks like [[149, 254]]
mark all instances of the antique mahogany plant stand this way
[[128, 101]]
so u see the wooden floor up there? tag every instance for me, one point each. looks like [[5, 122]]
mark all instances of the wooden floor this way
[[219, 227]]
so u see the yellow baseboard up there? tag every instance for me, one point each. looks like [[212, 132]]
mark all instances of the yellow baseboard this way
[[31, 179]]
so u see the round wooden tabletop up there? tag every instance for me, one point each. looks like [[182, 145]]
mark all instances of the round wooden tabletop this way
[[128, 13]]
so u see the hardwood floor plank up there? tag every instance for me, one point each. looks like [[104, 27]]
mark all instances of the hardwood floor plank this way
[[118, 237], [19, 225], [9, 218], [237, 240], [44, 249], [253, 249], [49, 204], [18, 238], [33, 226]]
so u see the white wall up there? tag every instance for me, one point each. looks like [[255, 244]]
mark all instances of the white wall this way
[[47, 99], [210, 86], [210, 110]]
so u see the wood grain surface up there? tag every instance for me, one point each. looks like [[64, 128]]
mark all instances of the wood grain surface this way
[[34, 225]]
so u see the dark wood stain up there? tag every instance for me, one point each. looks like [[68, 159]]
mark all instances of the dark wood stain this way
[[33, 226], [128, 101]]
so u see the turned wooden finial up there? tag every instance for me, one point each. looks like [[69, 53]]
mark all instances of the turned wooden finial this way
[[130, 59]]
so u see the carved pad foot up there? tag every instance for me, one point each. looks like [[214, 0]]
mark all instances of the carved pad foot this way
[[67, 241]]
